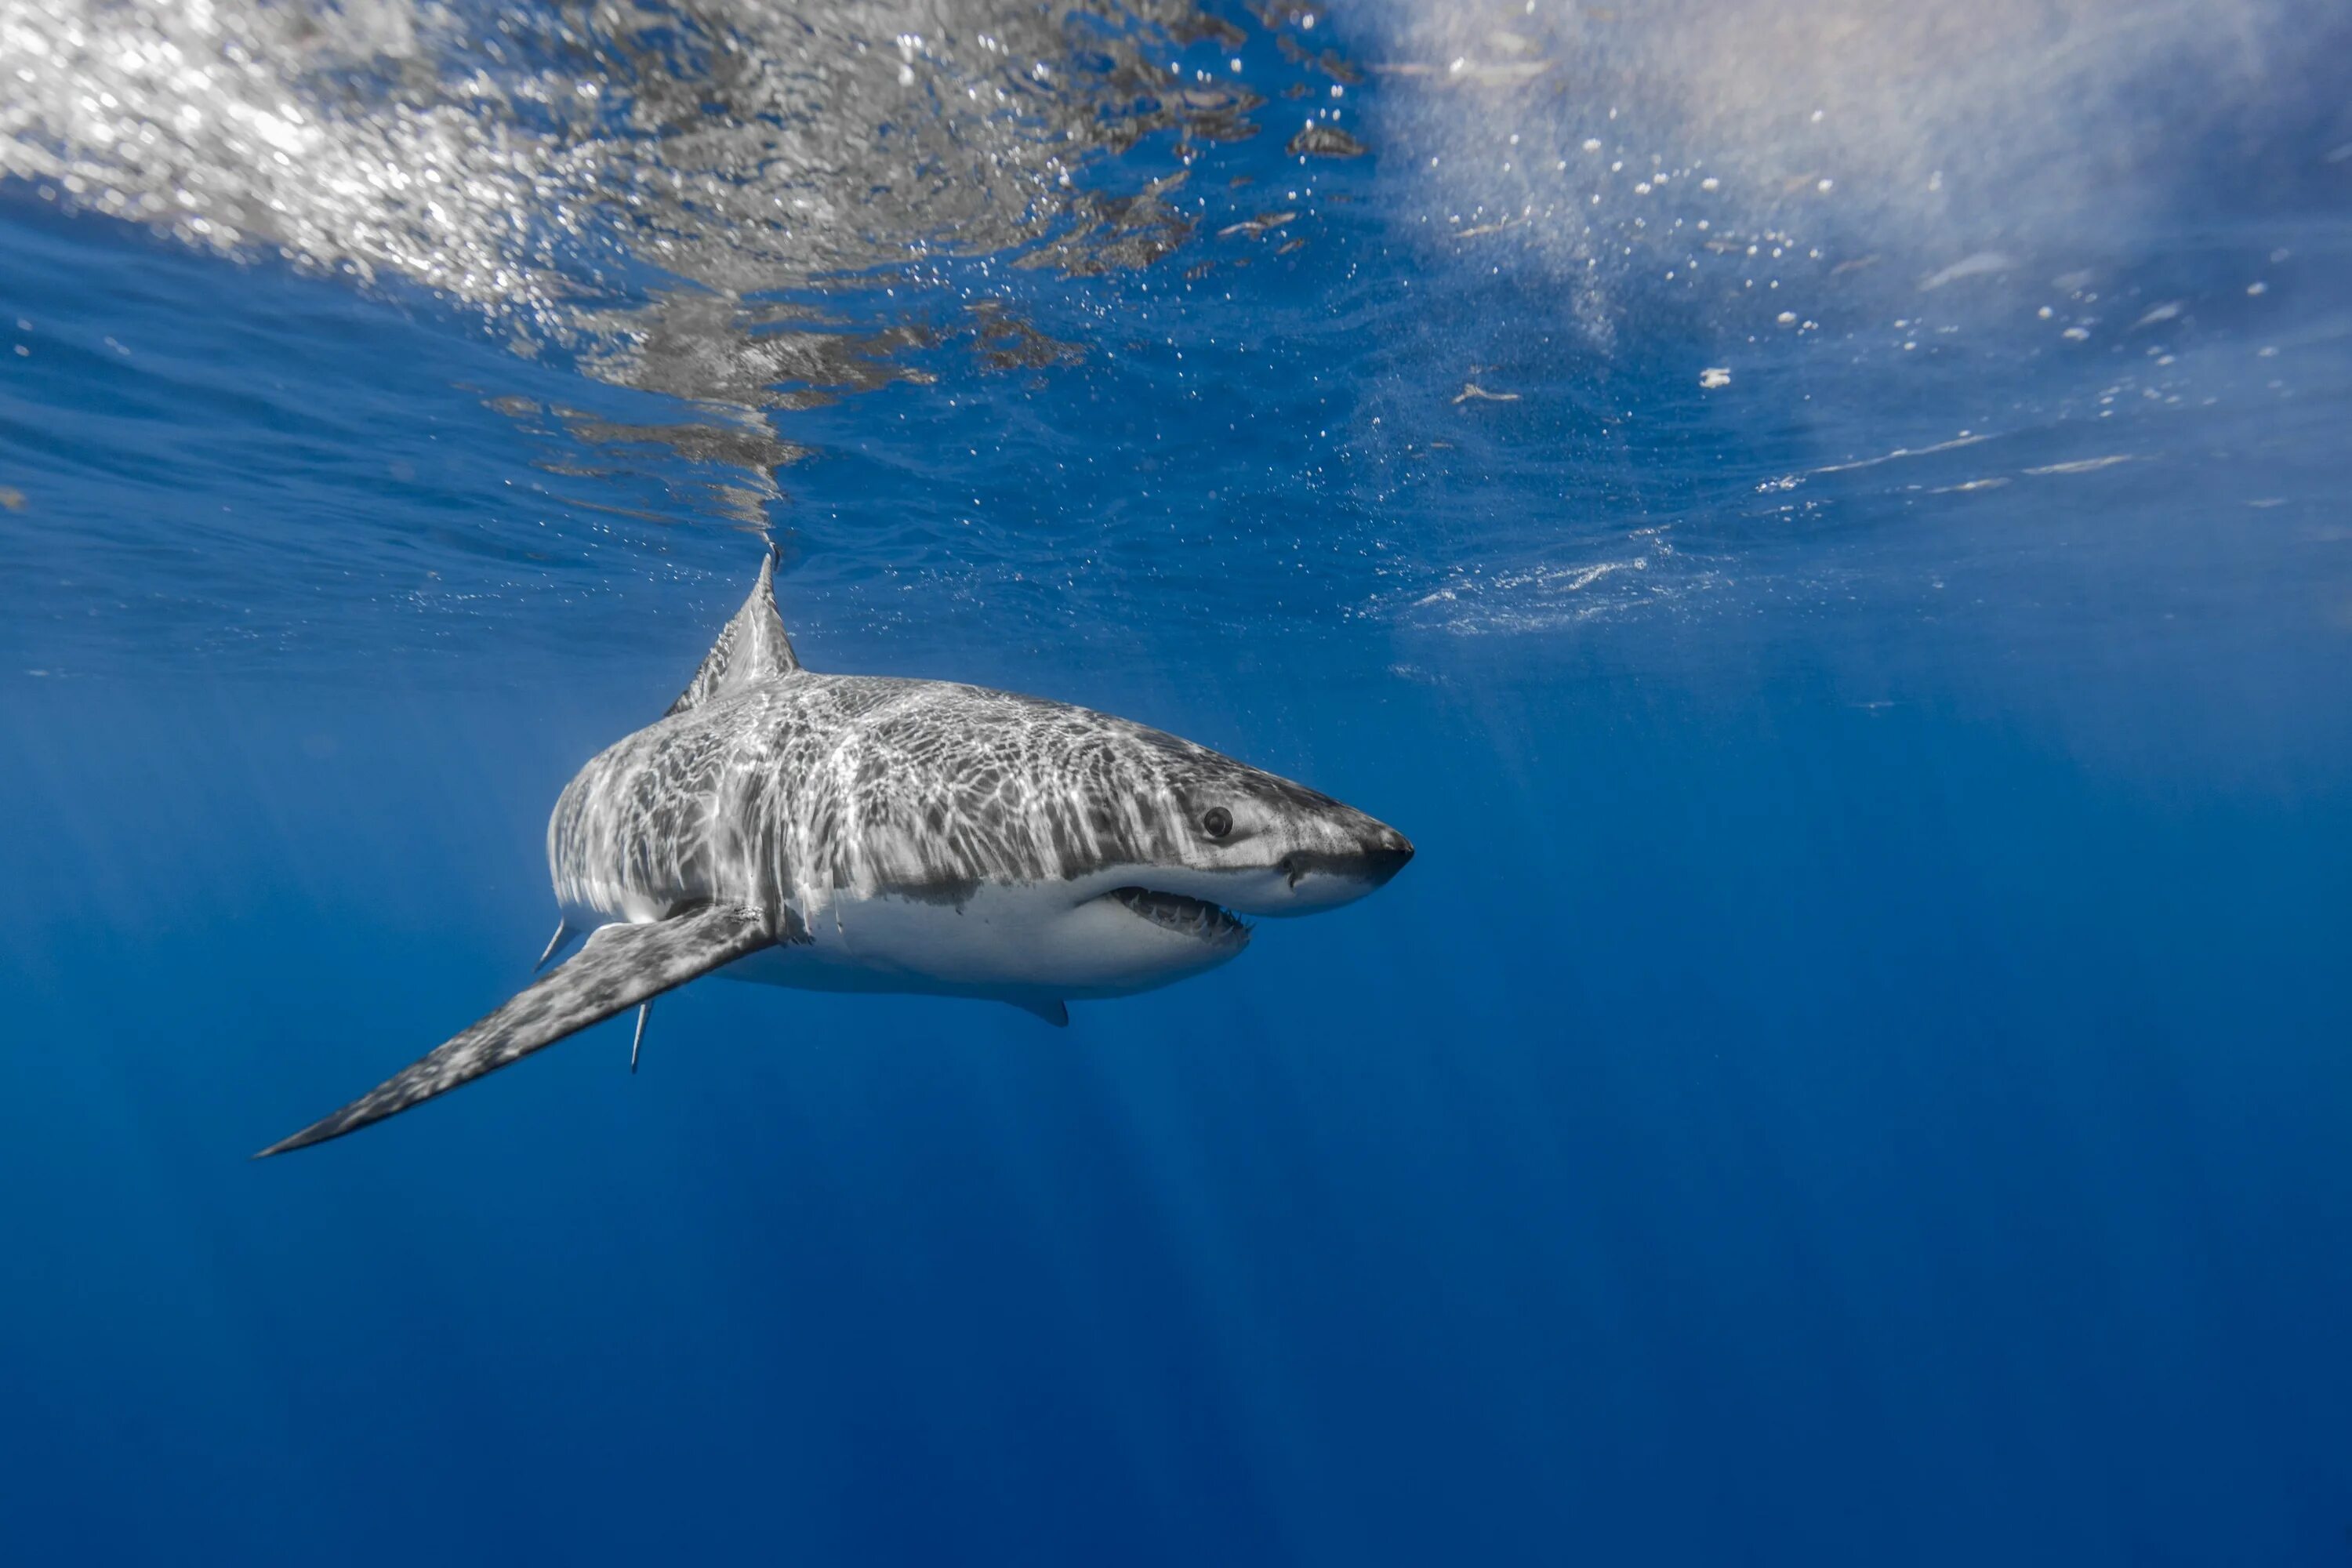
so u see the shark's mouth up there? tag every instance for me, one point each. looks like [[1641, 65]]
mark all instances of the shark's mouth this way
[[1186, 916]]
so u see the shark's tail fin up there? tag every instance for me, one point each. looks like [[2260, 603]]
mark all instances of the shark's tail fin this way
[[620, 966]]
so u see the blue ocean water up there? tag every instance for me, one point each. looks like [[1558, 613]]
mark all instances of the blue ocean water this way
[[1827, 531]]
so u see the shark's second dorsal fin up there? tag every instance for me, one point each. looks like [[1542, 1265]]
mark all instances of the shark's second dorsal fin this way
[[752, 647]]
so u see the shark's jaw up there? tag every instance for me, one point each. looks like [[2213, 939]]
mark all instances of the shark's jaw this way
[[1210, 901], [1009, 941], [1214, 925]]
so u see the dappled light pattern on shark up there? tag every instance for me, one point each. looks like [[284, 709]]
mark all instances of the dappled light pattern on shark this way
[[913, 788]]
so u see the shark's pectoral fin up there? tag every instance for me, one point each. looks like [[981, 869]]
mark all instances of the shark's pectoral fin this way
[[1052, 1009], [619, 967]]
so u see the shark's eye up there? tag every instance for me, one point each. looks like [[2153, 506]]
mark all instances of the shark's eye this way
[[1217, 822]]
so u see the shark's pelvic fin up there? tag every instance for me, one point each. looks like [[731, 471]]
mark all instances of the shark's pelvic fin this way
[[638, 1040], [564, 934], [1052, 1009], [752, 647], [620, 966]]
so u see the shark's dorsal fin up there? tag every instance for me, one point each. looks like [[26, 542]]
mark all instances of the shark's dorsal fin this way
[[752, 647]]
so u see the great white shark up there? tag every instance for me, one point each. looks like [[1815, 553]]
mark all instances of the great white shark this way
[[871, 833]]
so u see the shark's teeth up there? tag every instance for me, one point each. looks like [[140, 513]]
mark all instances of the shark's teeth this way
[[1192, 916]]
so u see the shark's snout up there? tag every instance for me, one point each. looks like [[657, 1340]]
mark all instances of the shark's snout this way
[[1326, 878], [1371, 863], [1386, 855]]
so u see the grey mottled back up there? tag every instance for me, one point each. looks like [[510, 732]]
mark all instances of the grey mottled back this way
[[802, 786]]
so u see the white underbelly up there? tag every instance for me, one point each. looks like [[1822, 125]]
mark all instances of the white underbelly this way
[[999, 942]]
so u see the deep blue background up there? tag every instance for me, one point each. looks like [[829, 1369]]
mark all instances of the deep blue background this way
[[1858, 1072], [1759, 1128]]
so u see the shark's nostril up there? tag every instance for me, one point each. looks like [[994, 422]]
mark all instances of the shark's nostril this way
[[1386, 858], [1376, 856]]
